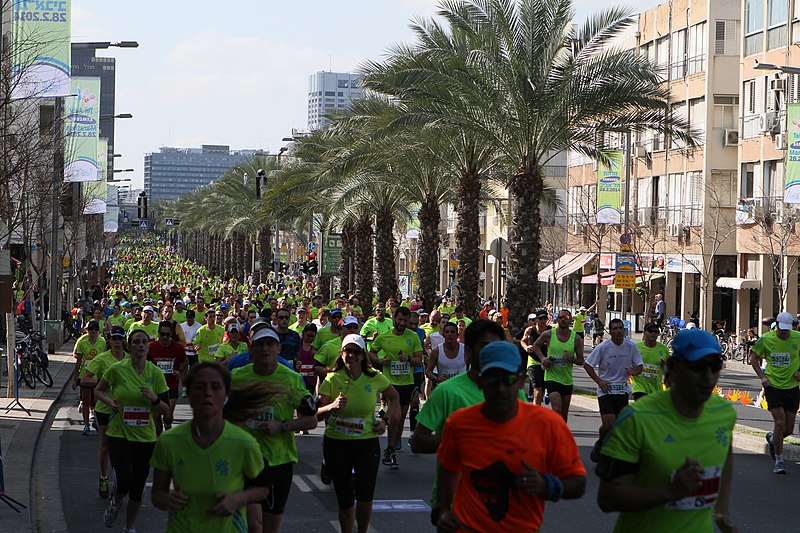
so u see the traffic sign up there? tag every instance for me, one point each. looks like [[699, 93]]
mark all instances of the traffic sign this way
[[625, 248], [143, 224], [626, 263], [624, 280], [625, 238], [168, 222], [312, 246]]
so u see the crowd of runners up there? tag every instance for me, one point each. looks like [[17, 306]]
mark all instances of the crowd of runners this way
[[263, 363]]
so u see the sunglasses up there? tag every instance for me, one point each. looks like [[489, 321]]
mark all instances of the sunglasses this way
[[283, 318], [564, 317], [715, 365], [507, 380], [354, 351]]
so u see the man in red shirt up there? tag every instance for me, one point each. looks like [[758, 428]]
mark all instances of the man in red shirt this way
[[502, 459], [170, 357]]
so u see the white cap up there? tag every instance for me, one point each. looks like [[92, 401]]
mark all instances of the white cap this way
[[149, 308], [349, 320], [233, 327], [785, 320], [690, 325], [354, 339], [263, 331]]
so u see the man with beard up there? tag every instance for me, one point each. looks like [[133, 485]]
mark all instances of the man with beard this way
[[503, 458]]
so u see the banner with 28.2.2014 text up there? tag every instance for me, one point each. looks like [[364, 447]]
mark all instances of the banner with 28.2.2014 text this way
[[609, 188]]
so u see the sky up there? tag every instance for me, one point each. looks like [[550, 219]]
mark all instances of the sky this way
[[210, 72]]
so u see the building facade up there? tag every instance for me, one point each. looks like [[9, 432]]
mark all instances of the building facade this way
[[173, 172], [329, 92]]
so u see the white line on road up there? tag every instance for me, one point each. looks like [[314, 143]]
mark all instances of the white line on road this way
[[317, 482], [302, 485], [335, 524]]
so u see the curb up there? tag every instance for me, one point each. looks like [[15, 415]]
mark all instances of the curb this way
[[745, 438], [47, 421]]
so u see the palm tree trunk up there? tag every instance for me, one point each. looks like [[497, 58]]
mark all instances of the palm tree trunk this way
[[325, 286], [384, 254], [239, 255], [468, 240], [347, 257], [522, 286], [428, 261], [264, 249], [365, 274], [226, 258]]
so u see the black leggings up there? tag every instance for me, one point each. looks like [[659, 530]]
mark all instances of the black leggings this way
[[131, 462], [342, 458]]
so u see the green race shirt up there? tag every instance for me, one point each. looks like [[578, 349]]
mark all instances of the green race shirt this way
[[455, 319], [323, 336], [356, 420], [329, 353], [134, 421], [97, 367], [653, 435], [179, 317], [226, 350], [783, 358], [408, 343], [209, 341], [117, 320], [561, 371], [281, 448], [151, 329], [87, 350], [202, 473], [652, 376]]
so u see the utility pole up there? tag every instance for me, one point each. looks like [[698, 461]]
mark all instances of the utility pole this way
[[58, 179]]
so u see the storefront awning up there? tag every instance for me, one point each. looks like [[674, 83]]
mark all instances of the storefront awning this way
[[607, 278], [564, 266], [738, 283]]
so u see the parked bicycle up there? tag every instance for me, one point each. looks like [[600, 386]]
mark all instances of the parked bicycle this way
[[32, 361], [670, 329]]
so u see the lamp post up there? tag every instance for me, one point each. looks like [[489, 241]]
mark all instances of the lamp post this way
[[277, 258]]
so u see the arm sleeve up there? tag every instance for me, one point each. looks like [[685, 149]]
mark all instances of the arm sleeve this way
[[160, 457], [432, 414]]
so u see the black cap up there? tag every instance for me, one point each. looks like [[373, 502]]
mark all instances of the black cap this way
[[190, 313], [118, 331], [93, 324]]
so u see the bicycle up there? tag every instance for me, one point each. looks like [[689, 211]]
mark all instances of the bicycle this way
[[740, 349], [32, 361]]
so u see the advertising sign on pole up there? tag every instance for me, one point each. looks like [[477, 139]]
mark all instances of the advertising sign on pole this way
[[609, 188], [82, 131], [791, 189], [96, 192], [331, 253]]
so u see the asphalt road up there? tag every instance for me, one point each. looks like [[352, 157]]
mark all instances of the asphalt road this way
[[401, 496]]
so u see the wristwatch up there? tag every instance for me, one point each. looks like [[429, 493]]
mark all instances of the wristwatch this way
[[284, 426]]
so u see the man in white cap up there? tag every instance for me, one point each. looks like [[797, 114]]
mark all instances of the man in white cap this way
[[781, 349], [147, 324]]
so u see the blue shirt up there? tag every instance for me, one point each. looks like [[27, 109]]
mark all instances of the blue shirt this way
[[290, 344], [421, 334], [243, 359]]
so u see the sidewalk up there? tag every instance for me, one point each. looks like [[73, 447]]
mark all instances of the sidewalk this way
[[21, 434]]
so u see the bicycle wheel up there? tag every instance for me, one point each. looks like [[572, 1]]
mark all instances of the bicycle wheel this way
[[43, 375], [724, 346], [24, 374]]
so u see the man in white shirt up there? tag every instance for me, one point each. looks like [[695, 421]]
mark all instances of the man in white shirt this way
[[190, 328]]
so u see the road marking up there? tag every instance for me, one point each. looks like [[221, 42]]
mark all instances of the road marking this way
[[317, 482], [302, 485], [335, 525], [400, 506]]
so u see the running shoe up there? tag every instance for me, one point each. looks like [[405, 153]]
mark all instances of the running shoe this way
[[779, 468], [387, 456], [393, 464], [324, 475], [768, 436], [546, 399], [104, 488], [409, 440], [110, 515], [86, 429]]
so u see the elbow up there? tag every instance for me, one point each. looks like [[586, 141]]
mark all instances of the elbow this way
[[309, 423]]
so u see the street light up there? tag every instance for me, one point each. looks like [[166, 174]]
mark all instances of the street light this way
[[117, 170], [121, 115], [786, 69], [102, 45]]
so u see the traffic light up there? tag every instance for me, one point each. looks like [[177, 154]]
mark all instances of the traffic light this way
[[312, 267], [142, 203], [503, 268], [452, 273]]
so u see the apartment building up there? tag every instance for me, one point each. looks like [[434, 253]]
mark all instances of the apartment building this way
[[768, 244], [681, 200]]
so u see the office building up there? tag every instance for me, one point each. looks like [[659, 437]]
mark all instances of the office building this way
[[172, 172], [328, 92]]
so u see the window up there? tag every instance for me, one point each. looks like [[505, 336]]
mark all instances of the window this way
[[778, 31], [726, 112], [693, 214], [647, 195], [662, 56], [330, 93], [697, 116], [678, 63], [773, 178], [342, 84], [746, 188], [679, 111], [726, 37], [753, 27], [696, 49], [675, 198], [47, 115]]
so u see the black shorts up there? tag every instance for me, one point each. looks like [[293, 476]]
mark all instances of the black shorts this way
[[560, 388], [90, 388], [406, 392], [102, 418], [612, 404], [580, 334], [279, 480], [637, 395], [536, 375], [788, 399], [598, 335], [353, 466]]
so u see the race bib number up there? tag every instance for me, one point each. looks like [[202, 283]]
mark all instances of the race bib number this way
[[650, 371], [351, 427], [400, 369], [212, 350], [780, 359], [136, 416], [448, 375], [559, 362], [704, 497], [306, 370], [167, 367], [618, 388], [267, 415]]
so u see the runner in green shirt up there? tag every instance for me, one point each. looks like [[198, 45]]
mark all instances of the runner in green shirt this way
[[209, 336], [275, 425], [654, 354], [87, 347]]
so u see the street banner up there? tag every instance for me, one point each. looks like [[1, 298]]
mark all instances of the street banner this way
[[609, 188], [791, 190], [96, 192], [40, 49], [82, 131], [331, 253]]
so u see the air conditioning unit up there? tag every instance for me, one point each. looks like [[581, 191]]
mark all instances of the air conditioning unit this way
[[640, 151], [731, 138], [766, 122], [673, 230], [780, 141], [777, 84], [576, 228]]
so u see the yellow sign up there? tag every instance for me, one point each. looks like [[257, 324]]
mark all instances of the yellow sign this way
[[625, 249], [66, 261], [625, 281], [453, 264]]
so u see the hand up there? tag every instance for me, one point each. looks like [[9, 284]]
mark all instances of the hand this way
[[403, 358], [447, 522], [115, 407], [226, 505], [147, 393], [386, 362], [604, 386], [380, 426], [297, 365], [530, 481], [176, 501], [273, 427], [687, 479], [631, 371], [547, 363], [529, 349], [766, 383], [340, 402], [724, 523]]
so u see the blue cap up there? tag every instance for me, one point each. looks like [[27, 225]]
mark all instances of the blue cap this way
[[500, 354], [224, 306], [695, 344]]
